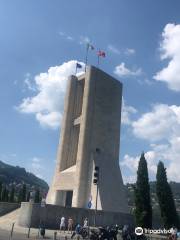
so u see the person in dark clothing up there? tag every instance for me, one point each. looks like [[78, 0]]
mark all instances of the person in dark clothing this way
[[77, 230], [42, 229]]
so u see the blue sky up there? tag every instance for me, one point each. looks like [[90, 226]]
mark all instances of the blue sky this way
[[141, 39]]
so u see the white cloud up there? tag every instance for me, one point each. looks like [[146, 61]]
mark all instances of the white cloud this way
[[84, 40], [61, 33], [161, 123], [70, 38], [28, 82], [52, 119], [113, 49], [47, 104], [153, 156], [161, 128], [129, 51], [65, 36], [122, 71], [36, 167], [170, 49], [127, 111], [129, 178], [130, 163]]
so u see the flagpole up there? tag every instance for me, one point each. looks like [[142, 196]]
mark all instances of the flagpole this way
[[86, 58], [76, 69], [98, 59]]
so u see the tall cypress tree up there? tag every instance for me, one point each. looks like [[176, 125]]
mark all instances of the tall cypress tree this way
[[24, 193], [28, 197], [3, 194], [37, 196], [143, 208], [165, 198], [11, 196], [7, 196], [0, 190]]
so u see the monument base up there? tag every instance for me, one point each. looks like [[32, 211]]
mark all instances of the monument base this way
[[31, 214]]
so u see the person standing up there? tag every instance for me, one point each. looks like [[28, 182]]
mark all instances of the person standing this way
[[70, 225], [85, 223], [62, 224], [77, 231]]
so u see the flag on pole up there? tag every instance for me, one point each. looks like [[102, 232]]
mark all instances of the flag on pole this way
[[101, 53], [90, 46], [90, 202], [78, 65]]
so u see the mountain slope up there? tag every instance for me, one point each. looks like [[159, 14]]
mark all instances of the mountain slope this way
[[10, 174]]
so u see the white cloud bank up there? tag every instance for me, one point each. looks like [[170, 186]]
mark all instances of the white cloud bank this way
[[162, 123], [170, 49], [122, 71], [127, 112], [113, 49], [130, 51], [47, 104], [161, 128]]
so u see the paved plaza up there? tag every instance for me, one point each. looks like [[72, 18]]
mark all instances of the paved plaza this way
[[19, 233]]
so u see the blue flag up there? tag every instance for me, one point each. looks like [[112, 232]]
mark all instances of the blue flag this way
[[89, 204], [78, 65]]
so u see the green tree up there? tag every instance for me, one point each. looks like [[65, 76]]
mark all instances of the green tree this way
[[24, 193], [19, 196], [28, 197], [3, 194], [12, 192], [37, 196], [0, 190], [7, 196], [143, 208], [165, 198]]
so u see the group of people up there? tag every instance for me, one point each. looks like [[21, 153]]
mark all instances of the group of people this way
[[69, 225]]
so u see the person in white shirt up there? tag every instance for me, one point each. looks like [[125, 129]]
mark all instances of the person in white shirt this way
[[62, 224], [85, 223]]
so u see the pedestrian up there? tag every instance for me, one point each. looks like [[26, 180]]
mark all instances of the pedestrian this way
[[85, 223], [77, 231], [62, 224], [70, 225], [42, 229]]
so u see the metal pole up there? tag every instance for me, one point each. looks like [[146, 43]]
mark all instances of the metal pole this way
[[29, 229], [12, 229], [98, 61], [55, 236], [97, 189], [86, 58]]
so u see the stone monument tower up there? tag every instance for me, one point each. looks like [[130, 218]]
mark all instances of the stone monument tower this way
[[90, 136]]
